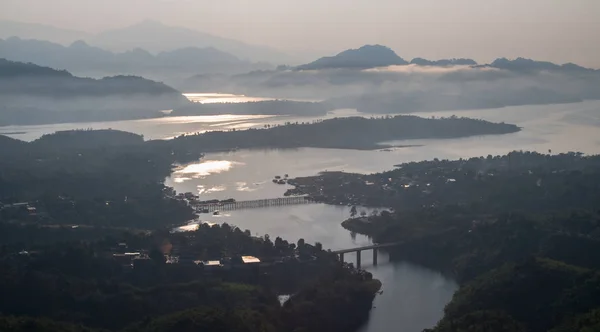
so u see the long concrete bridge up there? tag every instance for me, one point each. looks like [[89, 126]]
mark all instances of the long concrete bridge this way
[[259, 203], [358, 250]]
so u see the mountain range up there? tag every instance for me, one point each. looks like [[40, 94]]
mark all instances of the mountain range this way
[[152, 36], [372, 56], [18, 78], [41, 32], [529, 65], [33, 94], [443, 62], [83, 59]]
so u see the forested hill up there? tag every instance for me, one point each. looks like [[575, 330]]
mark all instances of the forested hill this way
[[32, 95], [368, 56], [11, 69], [345, 133], [9, 144], [18, 78]]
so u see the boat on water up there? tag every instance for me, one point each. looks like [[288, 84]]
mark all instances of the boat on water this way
[[216, 213]]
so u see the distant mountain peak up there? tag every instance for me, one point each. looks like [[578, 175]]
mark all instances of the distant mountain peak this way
[[444, 62], [530, 65], [155, 36], [150, 21], [40, 32], [79, 44], [373, 47], [149, 24], [367, 56]]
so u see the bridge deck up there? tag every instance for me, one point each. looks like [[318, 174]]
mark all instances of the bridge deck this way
[[237, 205], [374, 246]]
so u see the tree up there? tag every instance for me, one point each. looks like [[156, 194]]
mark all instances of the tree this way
[[363, 213], [353, 211]]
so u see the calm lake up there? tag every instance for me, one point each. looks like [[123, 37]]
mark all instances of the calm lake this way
[[413, 297]]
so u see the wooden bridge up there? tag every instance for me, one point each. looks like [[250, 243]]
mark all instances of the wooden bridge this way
[[259, 203], [358, 250]]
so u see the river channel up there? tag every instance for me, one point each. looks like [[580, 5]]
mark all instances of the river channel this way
[[413, 297]]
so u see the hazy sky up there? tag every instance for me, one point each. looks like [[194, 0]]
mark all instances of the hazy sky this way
[[555, 30]]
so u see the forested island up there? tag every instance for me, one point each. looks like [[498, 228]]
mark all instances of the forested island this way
[[520, 232], [86, 245], [343, 133]]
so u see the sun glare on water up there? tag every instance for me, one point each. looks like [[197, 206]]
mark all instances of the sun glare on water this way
[[203, 169]]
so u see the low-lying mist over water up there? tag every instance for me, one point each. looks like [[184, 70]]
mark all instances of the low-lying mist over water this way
[[372, 79]]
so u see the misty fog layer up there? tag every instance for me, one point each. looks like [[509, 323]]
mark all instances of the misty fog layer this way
[[371, 79], [410, 88]]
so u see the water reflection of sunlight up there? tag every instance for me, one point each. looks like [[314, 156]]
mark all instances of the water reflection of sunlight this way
[[192, 226], [244, 125], [241, 99], [204, 118], [211, 98], [203, 190], [243, 186], [203, 169], [228, 123]]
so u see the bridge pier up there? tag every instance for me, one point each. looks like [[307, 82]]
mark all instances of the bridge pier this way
[[375, 256], [374, 247]]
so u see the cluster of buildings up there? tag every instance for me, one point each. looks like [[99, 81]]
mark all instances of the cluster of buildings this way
[[139, 259], [21, 209]]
